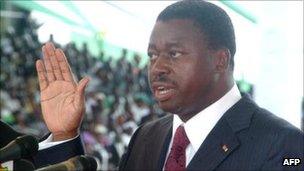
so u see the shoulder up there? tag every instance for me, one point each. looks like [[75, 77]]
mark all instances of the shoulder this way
[[137, 145], [158, 122], [272, 124], [268, 137], [262, 128], [155, 125], [278, 138], [281, 137], [247, 112]]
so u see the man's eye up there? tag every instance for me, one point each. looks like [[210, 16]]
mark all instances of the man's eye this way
[[175, 54], [152, 55]]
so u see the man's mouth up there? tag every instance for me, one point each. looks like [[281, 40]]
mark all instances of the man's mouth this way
[[163, 92]]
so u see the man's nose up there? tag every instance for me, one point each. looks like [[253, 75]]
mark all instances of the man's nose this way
[[161, 67]]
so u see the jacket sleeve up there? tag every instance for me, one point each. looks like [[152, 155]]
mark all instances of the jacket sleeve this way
[[58, 153], [48, 156]]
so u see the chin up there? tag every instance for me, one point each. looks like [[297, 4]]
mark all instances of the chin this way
[[169, 107]]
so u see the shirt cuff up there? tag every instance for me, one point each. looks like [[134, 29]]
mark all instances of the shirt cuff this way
[[47, 143]]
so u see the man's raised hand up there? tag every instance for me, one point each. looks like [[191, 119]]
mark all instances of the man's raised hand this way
[[62, 98]]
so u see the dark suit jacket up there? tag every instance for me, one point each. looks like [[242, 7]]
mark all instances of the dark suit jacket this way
[[255, 138], [47, 156]]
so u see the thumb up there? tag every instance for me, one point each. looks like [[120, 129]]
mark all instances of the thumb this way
[[80, 90]]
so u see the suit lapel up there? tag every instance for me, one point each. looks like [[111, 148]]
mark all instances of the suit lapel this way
[[157, 143], [164, 150], [223, 140]]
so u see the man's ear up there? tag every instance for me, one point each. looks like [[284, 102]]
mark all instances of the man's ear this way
[[222, 60]]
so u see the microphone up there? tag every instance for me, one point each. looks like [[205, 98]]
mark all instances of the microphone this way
[[23, 165], [78, 163], [22, 147]]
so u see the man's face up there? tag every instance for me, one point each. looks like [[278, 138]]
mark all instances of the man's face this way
[[180, 71]]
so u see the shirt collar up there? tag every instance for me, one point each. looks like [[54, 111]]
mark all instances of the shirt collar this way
[[198, 127]]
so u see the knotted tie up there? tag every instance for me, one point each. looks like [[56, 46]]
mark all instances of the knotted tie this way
[[177, 157]]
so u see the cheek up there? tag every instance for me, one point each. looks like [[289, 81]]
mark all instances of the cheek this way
[[187, 77], [193, 79]]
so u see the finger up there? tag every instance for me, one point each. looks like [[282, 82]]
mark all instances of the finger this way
[[79, 98], [43, 82], [64, 66], [55, 65], [48, 65]]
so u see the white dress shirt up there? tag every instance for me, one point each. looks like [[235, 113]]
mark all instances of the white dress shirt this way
[[198, 127], [47, 143]]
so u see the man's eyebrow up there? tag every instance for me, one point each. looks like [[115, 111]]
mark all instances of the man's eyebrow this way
[[167, 45], [173, 44]]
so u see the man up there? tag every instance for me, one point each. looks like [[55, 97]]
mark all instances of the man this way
[[191, 75], [213, 126]]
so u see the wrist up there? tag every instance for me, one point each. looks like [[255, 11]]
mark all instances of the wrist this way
[[61, 136]]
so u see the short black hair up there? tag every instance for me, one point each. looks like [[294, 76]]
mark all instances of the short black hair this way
[[213, 21]]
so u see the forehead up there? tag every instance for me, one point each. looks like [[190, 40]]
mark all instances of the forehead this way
[[175, 32]]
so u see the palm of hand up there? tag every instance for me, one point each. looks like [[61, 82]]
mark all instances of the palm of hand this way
[[59, 106], [62, 99]]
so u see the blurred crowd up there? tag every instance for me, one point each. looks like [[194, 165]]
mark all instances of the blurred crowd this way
[[118, 98]]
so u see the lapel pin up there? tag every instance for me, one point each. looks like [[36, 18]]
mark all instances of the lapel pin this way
[[225, 148]]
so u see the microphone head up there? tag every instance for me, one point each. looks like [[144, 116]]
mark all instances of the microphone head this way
[[29, 145], [23, 165], [77, 163], [22, 147], [88, 162]]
